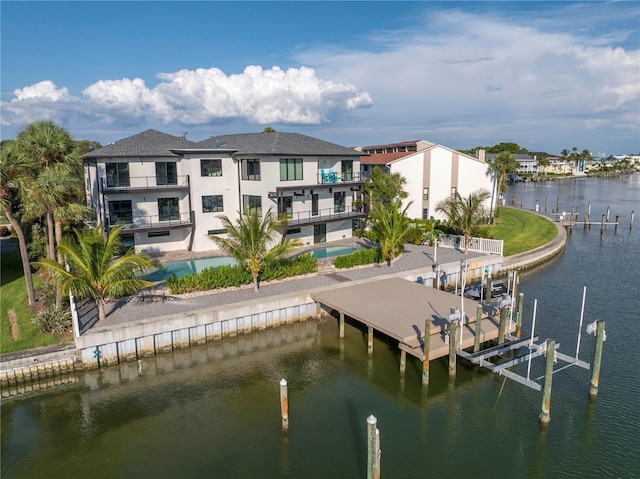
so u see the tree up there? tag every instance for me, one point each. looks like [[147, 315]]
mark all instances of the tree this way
[[12, 170], [464, 214], [392, 226], [543, 163], [502, 165], [253, 240], [99, 268], [382, 188]]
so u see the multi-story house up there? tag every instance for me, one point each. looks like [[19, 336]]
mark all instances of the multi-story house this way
[[169, 192], [432, 172], [528, 164]]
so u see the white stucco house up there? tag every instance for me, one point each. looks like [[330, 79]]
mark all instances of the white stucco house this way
[[433, 172], [169, 192]]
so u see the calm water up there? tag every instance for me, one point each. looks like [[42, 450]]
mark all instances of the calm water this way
[[331, 251], [213, 411], [184, 267]]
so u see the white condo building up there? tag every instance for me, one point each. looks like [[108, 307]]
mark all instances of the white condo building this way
[[169, 192], [433, 173]]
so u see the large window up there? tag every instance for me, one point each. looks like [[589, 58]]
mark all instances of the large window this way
[[339, 202], [168, 209], [314, 204], [211, 167], [454, 191], [212, 204], [425, 194], [117, 174], [120, 212], [290, 169], [285, 206], [252, 204], [347, 170], [166, 173], [251, 169]]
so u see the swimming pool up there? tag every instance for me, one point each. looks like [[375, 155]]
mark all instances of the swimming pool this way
[[330, 251], [182, 268]]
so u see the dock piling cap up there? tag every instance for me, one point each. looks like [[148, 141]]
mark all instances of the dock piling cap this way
[[372, 419]]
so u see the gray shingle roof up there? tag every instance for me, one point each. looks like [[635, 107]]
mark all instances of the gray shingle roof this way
[[277, 143], [147, 143]]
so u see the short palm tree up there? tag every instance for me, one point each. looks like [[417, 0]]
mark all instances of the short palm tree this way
[[98, 267], [253, 240], [464, 214], [392, 226]]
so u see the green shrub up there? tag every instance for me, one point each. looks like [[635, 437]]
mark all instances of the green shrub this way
[[53, 320], [360, 257], [4, 231]]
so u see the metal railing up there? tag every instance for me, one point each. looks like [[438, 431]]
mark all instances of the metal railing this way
[[155, 221], [326, 177], [479, 245], [146, 182], [325, 214]]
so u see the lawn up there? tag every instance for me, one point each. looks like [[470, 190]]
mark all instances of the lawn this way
[[521, 230], [13, 295]]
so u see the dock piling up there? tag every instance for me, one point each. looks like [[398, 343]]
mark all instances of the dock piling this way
[[453, 336], [548, 378], [519, 319], [597, 357], [372, 453], [633, 214], [427, 344], [476, 341], [341, 325], [403, 362], [503, 324], [284, 404], [370, 340]]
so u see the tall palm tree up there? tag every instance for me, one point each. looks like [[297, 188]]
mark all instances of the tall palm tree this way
[[12, 170], [99, 268], [254, 240], [392, 226], [502, 165], [464, 214]]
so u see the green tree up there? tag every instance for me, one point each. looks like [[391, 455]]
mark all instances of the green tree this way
[[99, 268], [463, 215], [254, 240], [382, 188], [12, 170], [543, 163], [392, 226]]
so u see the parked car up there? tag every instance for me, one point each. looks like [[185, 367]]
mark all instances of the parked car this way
[[498, 288]]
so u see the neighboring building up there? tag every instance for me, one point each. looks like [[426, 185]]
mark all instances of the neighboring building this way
[[169, 192], [528, 164], [433, 172]]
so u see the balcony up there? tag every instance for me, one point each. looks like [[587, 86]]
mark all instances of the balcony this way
[[146, 183], [326, 215], [143, 223], [331, 177]]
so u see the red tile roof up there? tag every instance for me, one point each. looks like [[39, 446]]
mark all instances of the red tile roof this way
[[384, 158]]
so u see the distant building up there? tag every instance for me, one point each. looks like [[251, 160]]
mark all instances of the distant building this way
[[433, 172], [528, 163], [169, 191]]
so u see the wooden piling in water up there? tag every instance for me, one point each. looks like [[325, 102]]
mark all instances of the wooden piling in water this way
[[453, 336], [597, 357], [615, 227], [519, 319], [403, 361], [372, 453], [341, 325], [284, 404], [427, 344], [318, 310], [370, 340], [548, 378], [633, 214], [608, 211], [489, 288], [602, 225], [503, 325], [476, 340]]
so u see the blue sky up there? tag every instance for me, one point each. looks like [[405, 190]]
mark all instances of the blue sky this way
[[547, 75]]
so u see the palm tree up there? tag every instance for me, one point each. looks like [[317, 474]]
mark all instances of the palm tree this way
[[12, 169], [464, 214], [392, 226], [384, 188], [253, 240], [98, 268], [543, 163], [502, 165]]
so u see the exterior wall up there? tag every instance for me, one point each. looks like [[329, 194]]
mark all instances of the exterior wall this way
[[411, 168], [440, 174]]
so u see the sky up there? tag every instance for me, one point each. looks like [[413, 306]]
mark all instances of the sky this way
[[547, 75]]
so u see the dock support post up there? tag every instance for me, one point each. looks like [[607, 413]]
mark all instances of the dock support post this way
[[403, 361], [284, 404], [597, 357], [615, 227], [341, 325], [489, 288], [519, 320], [608, 211], [476, 341], [503, 325], [318, 310], [633, 214], [372, 456], [548, 378], [427, 351], [453, 335], [546, 202], [370, 341]]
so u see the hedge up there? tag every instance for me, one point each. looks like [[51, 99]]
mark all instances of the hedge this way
[[360, 257]]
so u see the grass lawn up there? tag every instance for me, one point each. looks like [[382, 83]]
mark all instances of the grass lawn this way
[[521, 230], [13, 296]]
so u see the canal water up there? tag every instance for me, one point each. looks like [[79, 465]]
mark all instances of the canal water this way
[[213, 411]]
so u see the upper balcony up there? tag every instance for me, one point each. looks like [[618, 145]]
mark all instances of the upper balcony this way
[[144, 223], [332, 177], [325, 215], [145, 183]]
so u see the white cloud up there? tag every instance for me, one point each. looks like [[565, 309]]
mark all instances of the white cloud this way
[[195, 97]]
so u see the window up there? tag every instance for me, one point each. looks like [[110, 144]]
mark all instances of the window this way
[[251, 169], [285, 206], [168, 209], [155, 234], [117, 174], [252, 204], [314, 204], [120, 212], [454, 190], [339, 202], [166, 173], [211, 167], [425, 213], [216, 232], [290, 169], [294, 231], [212, 204], [347, 170], [425, 194]]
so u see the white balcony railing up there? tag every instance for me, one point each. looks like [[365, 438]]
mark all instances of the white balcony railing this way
[[479, 245]]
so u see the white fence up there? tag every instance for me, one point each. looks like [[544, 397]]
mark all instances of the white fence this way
[[480, 245]]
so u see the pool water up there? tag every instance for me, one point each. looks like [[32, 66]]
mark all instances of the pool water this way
[[330, 251], [182, 268]]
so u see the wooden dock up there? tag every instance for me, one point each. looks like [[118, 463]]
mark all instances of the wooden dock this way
[[400, 309]]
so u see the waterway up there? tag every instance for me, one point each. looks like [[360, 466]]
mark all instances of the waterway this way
[[213, 411]]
